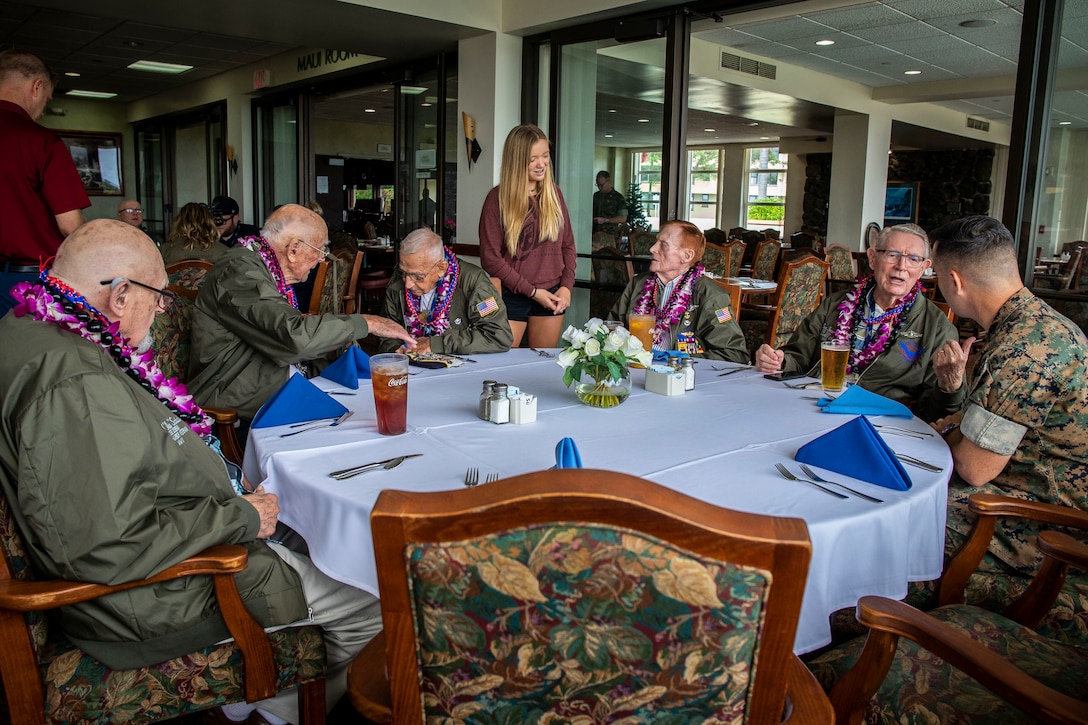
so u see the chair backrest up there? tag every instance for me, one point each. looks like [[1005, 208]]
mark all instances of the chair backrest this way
[[736, 295], [600, 240], [841, 260], [763, 262], [1072, 273], [717, 259], [861, 262], [800, 289], [188, 273], [641, 241], [172, 331], [736, 254], [947, 310], [331, 284], [560, 590], [737, 232], [351, 283], [611, 266]]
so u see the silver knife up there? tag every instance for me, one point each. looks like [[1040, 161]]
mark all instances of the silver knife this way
[[376, 464]]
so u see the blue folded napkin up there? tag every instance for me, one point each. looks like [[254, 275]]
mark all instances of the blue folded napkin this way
[[297, 401], [859, 401], [566, 454], [348, 368], [855, 449]]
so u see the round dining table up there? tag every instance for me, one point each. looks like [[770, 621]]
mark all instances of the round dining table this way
[[718, 443]]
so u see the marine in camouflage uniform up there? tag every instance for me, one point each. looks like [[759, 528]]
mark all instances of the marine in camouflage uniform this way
[[1028, 399], [608, 204]]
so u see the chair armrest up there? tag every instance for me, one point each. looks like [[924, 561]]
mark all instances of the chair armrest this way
[[888, 620], [1063, 548], [221, 562], [225, 420], [988, 508], [757, 308], [368, 682]]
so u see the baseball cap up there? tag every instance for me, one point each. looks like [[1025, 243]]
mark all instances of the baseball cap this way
[[223, 206]]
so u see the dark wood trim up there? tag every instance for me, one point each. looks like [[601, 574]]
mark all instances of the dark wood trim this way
[[674, 140]]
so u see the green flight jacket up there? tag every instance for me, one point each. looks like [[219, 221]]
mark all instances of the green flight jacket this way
[[108, 486], [719, 334], [470, 330], [902, 372], [246, 335]]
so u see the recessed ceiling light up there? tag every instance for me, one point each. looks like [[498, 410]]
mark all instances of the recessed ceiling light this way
[[133, 43], [608, 135], [644, 120], [980, 23], [912, 72], [764, 138], [154, 66], [709, 130], [1065, 123], [90, 94], [825, 42], [426, 105], [72, 74], [369, 110], [753, 123], [611, 110], [412, 90]]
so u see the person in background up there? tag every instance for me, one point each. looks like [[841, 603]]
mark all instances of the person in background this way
[[1023, 427], [248, 333], [526, 239], [131, 212], [71, 383], [225, 213], [427, 209], [448, 305], [41, 193], [192, 236], [892, 329], [609, 206], [693, 313]]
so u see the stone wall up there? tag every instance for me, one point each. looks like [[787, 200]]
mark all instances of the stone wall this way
[[952, 184]]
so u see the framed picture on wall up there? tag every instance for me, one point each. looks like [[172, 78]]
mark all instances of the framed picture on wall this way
[[901, 203], [98, 160]]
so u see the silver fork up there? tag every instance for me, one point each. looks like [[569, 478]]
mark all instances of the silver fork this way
[[491, 478], [542, 353], [799, 386], [812, 474], [336, 422], [472, 477], [786, 473]]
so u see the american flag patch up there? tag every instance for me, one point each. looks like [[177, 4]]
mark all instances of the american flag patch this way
[[488, 306], [724, 314]]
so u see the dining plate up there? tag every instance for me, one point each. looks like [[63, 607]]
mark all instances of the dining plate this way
[[434, 360]]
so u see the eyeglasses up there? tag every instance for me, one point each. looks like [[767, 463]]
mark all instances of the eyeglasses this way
[[419, 276], [166, 297], [221, 220], [132, 211], [324, 249], [891, 256]]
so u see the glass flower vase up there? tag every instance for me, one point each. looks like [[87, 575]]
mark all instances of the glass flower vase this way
[[602, 393]]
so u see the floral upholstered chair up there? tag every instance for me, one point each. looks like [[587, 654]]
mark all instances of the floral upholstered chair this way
[[800, 289], [765, 258], [603, 240], [583, 596], [49, 680], [716, 260], [961, 664], [736, 254], [188, 273], [841, 273], [641, 241]]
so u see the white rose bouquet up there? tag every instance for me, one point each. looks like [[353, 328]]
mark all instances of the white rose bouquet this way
[[599, 353]]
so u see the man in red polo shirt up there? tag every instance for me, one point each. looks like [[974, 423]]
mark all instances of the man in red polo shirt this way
[[41, 193]]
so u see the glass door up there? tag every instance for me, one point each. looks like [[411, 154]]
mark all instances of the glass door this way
[[419, 182], [276, 150], [153, 183]]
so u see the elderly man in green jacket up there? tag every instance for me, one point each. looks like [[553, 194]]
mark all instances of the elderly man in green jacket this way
[[248, 332], [448, 305], [111, 479], [892, 330]]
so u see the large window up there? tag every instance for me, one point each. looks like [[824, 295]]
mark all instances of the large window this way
[[766, 204], [703, 165], [647, 174]]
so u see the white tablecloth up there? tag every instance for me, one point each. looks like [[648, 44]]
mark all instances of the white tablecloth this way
[[717, 443]]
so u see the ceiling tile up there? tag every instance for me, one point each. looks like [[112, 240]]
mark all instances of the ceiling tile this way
[[904, 32], [930, 9], [856, 17], [785, 29], [842, 40]]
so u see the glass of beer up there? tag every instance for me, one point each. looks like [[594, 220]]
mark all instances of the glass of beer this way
[[389, 375], [833, 359], [642, 327]]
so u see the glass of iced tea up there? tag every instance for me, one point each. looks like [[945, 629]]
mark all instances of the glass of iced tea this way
[[642, 327], [833, 359], [389, 376]]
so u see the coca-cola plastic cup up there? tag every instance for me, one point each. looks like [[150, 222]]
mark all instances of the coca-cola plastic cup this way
[[389, 375]]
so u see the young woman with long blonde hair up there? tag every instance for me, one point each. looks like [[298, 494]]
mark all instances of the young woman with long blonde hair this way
[[526, 239]]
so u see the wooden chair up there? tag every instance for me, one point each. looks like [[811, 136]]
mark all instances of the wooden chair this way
[[765, 258], [842, 272], [614, 269], [347, 291], [800, 289], [48, 680], [172, 331], [585, 593], [947, 310], [736, 296], [1068, 278], [978, 665], [717, 260], [861, 263], [641, 241], [601, 240], [188, 273], [736, 254], [331, 285], [370, 290]]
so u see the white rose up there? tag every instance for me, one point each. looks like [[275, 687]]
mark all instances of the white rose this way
[[568, 334], [595, 325], [567, 357], [644, 358], [592, 347], [614, 341], [631, 346], [578, 338]]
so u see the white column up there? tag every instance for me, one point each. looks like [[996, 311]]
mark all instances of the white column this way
[[859, 176], [489, 90]]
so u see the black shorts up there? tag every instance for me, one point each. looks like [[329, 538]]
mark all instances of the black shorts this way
[[520, 308]]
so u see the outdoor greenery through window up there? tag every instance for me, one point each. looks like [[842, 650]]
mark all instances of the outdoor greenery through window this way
[[766, 204], [647, 174], [703, 165]]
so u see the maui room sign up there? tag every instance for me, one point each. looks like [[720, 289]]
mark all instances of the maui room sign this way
[[291, 67]]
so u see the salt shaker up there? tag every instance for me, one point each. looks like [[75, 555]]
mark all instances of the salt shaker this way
[[485, 398], [687, 367], [499, 405]]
